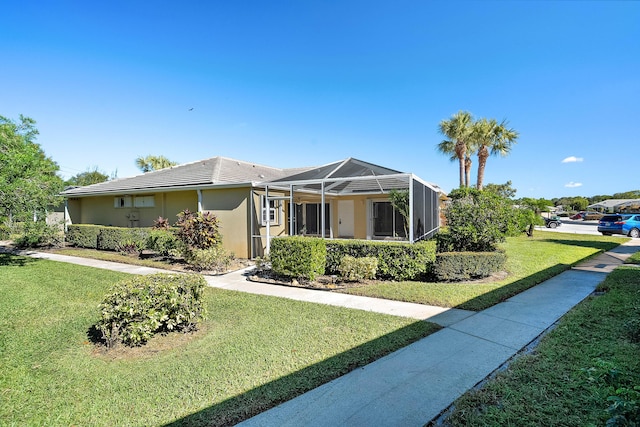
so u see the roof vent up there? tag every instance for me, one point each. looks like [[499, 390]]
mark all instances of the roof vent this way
[[261, 176]]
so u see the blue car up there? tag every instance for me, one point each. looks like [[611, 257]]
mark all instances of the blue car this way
[[626, 224], [631, 226]]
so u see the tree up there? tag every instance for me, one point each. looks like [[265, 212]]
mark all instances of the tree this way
[[579, 203], [634, 194], [457, 130], [532, 208], [28, 180], [88, 177], [153, 163], [503, 190], [491, 138]]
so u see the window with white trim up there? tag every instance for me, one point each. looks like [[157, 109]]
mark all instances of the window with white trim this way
[[122, 202], [144, 201], [270, 211]]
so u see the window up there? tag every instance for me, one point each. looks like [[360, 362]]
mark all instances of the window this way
[[270, 212], [387, 222], [308, 219], [122, 202], [137, 202], [144, 201]]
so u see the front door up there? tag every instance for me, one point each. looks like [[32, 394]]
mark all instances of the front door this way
[[345, 218]]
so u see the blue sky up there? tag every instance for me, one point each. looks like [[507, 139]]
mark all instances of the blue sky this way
[[300, 83]]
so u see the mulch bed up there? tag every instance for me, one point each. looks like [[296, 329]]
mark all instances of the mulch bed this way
[[323, 283]]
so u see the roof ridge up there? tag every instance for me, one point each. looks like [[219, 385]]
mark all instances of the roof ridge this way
[[250, 163]]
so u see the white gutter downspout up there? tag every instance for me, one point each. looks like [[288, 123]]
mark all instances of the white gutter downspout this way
[[268, 210], [199, 191], [291, 211], [251, 231], [66, 214], [322, 221]]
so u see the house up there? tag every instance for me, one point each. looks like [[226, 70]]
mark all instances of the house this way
[[254, 203], [616, 205]]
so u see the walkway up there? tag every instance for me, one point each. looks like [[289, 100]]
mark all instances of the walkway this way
[[413, 385]]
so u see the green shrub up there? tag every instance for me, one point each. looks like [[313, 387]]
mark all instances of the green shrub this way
[[396, 260], [444, 242], [118, 238], [453, 266], [39, 233], [479, 220], [198, 230], [214, 258], [5, 232], [138, 307], [162, 241], [357, 269], [83, 235], [299, 257]]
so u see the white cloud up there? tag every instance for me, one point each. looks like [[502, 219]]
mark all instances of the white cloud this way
[[572, 159], [573, 184]]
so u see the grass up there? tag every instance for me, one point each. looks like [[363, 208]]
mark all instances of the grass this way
[[113, 257], [530, 261], [252, 353], [633, 259], [567, 380]]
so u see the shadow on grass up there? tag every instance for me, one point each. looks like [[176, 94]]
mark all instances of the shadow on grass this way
[[8, 259], [271, 394], [503, 293], [604, 246]]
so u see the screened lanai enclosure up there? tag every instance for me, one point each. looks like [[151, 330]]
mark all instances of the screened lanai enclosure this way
[[347, 199]]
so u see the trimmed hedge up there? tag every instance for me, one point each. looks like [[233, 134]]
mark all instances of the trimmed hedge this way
[[455, 266], [112, 238], [83, 235], [106, 238], [297, 256], [396, 260]]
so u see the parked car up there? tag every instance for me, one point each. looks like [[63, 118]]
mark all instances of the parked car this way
[[631, 227], [552, 222], [577, 215], [592, 215], [626, 224]]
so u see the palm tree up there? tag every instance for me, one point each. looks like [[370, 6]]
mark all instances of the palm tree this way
[[457, 130], [153, 163], [491, 138]]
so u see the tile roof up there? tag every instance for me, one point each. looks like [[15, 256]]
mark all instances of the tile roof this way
[[345, 176], [213, 171]]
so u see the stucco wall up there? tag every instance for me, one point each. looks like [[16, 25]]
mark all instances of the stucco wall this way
[[231, 207], [101, 211], [177, 201]]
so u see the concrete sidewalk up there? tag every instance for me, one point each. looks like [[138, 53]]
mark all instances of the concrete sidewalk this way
[[413, 385]]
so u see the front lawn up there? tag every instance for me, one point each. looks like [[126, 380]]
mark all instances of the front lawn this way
[[252, 353], [578, 371], [530, 261]]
